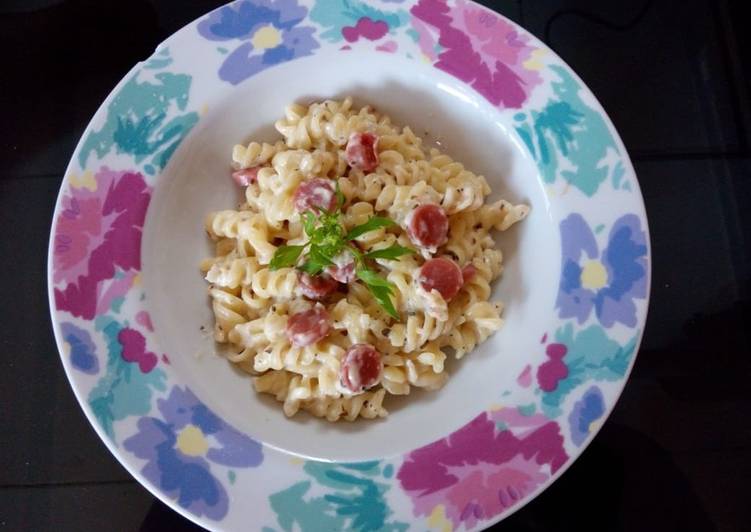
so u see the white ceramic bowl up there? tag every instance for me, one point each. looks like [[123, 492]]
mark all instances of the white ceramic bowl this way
[[128, 302]]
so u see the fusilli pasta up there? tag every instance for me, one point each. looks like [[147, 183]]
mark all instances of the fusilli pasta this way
[[307, 338]]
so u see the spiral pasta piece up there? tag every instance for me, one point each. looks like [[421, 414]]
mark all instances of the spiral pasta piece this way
[[280, 284], [229, 311], [417, 330], [233, 272], [255, 153]]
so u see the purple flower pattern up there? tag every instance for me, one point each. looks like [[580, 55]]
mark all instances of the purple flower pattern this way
[[180, 448], [269, 33], [82, 350], [587, 410], [607, 282]]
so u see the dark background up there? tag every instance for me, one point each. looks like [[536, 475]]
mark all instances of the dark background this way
[[673, 75]]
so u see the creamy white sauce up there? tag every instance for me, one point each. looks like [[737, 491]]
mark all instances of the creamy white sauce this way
[[323, 196], [343, 259], [432, 303]]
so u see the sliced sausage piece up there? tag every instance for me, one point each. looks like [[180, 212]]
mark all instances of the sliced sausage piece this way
[[246, 176], [361, 367], [428, 225], [442, 274], [315, 193], [343, 269], [306, 328], [361, 151], [317, 286], [468, 272]]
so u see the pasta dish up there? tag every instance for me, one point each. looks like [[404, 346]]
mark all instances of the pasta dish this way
[[358, 261]]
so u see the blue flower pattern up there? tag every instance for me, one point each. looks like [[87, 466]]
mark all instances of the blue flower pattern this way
[[82, 349], [269, 32], [607, 282], [587, 410], [180, 448]]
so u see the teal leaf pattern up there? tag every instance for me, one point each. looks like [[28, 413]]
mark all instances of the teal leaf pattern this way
[[570, 140], [124, 390], [338, 497], [590, 355], [143, 119]]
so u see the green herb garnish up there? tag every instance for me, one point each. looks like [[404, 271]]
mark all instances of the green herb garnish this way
[[284, 256], [327, 238], [374, 222], [390, 253]]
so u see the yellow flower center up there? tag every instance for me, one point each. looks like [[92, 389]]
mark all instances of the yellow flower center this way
[[192, 442], [535, 60], [437, 519], [594, 275], [266, 37], [86, 180]]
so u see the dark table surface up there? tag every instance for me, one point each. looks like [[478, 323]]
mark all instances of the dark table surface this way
[[674, 77]]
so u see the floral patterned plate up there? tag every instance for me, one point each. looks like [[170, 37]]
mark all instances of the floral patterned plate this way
[[129, 307]]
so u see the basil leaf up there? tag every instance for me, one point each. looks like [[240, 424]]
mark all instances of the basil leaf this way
[[309, 222], [285, 256], [390, 253], [381, 295], [311, 267], [380, 288], [319, 256], [373, 223], [340, 199], [355, 251], [371, 278]]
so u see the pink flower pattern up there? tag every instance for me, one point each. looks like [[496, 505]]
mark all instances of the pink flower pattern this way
[[134, 349], [99, 232], [366, 28], [478, 47], [553, 369], [484, 468]]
